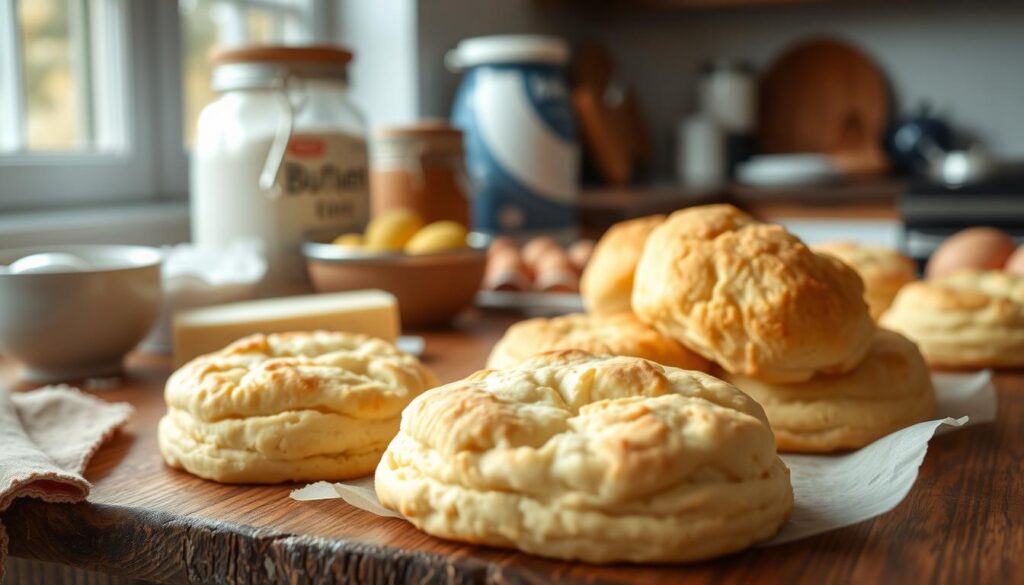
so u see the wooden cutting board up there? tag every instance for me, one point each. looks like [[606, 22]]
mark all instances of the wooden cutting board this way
[[825, 96]]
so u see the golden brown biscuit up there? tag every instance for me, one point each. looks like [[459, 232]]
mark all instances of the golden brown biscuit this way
[[970, 319], [883, 270], [751, 296], [574, 456], [607, 281], [891, 389], [612, 334], [288, 407]]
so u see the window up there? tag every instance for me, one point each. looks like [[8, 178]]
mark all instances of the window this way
[[97, 95], [209, 24]]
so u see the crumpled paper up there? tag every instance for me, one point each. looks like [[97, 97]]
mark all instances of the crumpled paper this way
[[829, 491]]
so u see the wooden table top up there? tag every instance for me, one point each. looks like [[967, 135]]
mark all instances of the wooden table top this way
[[963, 522]]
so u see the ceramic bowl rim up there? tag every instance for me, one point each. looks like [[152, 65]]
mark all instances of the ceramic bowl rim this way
[[142, 257]]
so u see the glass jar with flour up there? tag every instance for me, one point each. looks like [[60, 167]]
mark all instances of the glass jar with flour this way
[[280, 154]]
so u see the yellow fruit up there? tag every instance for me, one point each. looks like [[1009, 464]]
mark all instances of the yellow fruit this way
[[437, 237], [349, 241], [390, 231]]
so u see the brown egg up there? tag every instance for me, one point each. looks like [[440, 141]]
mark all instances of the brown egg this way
[[1016, 262], [535, 249], [555, 272], [580, 252], [499, 244], [505, 271], [983, 248], [557, 280], [553, 259]]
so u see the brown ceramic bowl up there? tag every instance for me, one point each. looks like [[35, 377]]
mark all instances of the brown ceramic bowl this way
[[431, 288]]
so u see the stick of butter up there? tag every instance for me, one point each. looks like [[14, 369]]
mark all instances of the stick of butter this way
[[200, 331]]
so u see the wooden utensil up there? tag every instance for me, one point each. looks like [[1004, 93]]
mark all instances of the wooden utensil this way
[[611, 124], [826, 96]]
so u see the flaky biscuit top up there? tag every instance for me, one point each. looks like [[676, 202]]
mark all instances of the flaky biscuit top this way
[[600, 334], [972, 318], [331, 372], [752, 297], [596, 430], [872, 262]]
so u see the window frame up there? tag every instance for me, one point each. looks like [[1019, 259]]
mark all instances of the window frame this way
[[122, 168], [144, 158]]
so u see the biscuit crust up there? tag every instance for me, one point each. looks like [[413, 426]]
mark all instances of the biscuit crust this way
[[891, 389], [884, 271], [288, 407], [969, 319], [607, 282], [599, 334], [751, 296], [601, 459]]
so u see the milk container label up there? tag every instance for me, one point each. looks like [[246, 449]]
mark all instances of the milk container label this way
[[521, 150]]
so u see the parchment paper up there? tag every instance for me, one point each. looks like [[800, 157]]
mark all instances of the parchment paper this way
[[830, 491]]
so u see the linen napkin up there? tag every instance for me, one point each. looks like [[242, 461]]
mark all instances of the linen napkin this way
[[47, 437]]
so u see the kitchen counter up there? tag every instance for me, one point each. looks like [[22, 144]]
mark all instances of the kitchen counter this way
[[872, 199], [963, 522]]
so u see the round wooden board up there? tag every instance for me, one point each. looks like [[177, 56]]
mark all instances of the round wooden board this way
[[823, 96]]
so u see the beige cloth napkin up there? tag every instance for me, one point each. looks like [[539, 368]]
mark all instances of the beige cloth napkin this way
[[47, 437]]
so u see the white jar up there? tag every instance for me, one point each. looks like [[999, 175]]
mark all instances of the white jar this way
[[700, 161], [279, 155]]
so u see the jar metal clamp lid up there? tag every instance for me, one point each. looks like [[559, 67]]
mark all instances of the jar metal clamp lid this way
[[280, 69]]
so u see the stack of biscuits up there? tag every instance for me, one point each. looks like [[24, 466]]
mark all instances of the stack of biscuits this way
[[314, 405], [787, 325], [968, 319]]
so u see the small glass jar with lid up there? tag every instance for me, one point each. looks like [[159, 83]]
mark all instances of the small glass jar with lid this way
[[420, 167], [279, 155]]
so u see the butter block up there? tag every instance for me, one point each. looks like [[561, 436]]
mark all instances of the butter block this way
[[200, 331]]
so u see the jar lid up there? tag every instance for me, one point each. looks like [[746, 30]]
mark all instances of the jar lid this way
[[314, 54], [421, 129], [508, 49], [263, 66], [413, 142]]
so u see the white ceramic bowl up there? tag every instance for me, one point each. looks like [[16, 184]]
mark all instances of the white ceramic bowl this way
[[74, 323]]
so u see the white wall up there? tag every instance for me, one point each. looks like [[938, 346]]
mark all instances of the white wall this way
[[966, 57], [383, 75]]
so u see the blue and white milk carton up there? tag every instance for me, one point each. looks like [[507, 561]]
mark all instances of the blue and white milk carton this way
[[522, 154]]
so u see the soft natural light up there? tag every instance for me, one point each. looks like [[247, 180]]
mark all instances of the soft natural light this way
[[210, 24], [53, 120]]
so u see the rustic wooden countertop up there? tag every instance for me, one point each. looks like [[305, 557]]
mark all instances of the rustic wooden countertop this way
[[962, 523]]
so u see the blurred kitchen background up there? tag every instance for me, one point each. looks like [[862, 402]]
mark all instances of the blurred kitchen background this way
[[891, 122]]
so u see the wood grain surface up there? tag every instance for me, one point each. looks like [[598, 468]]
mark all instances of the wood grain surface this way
[[962, 523]]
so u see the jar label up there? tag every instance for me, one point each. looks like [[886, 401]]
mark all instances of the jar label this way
[[521, 150], [324, 179]]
